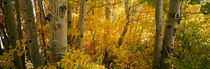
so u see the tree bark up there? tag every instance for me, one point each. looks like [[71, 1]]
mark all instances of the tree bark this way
[[170, 33], [43, 21], [125, 29], [17, 6], [107, 10], [20, 33], [70, 21], [31, 33], [58, 28], [158, 37], [11, 31], [81, 25]]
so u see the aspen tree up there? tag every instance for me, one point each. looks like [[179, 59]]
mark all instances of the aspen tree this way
[[81, 25], [158, 37], [170, 33], [107, 10], [31, 33], [125, 29], [11, 31], [19, 21], [58, 28]]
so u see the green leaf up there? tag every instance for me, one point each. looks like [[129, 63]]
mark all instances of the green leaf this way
[[205, 8], [193, 2]]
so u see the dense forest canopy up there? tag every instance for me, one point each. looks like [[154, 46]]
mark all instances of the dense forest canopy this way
[[104, 34]]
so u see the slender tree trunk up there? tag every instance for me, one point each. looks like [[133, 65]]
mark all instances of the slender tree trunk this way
[[42, 21], [106, 54], [81, 25], [107, 10], [158, 37], [17, 6], [20, 33], [4, 38], [70, 21], [170, 33], [31, 33], [1, 38], [58, 28], [127, 24], [69, 14], [11, 31]]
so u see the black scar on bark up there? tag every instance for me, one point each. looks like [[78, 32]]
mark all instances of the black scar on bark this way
[[29, 20], [179, 21], [48, 18], [29, 41], [174, 32], [177, 16], [58, 26], [69, 22], [171, 49], [62, 11], [35, 52], [5, 3], [81, 35], [172, 15], [169, 26], [59, 56]]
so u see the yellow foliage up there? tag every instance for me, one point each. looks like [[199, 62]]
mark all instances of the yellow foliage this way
[[6, 59], [103, 35], [20, 49], [129, 60], [74, 59]]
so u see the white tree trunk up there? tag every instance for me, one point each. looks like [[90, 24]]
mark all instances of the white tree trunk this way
[[170, 33], [58, 28], [81, 25]]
